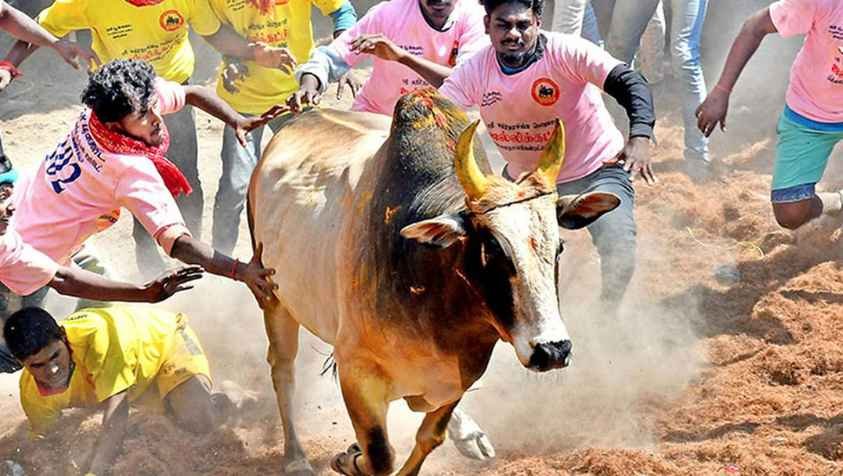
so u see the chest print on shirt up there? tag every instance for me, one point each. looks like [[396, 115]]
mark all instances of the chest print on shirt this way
[[490, 98], [836, 75], [171, 20], [545, 91]]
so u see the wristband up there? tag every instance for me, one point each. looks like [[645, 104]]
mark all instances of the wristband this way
[[8, 66]]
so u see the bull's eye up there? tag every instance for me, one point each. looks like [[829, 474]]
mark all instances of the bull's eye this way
[[490, 250]]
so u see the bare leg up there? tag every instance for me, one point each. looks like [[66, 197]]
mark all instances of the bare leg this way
[[194, 408], [431, 434], [283, 333]]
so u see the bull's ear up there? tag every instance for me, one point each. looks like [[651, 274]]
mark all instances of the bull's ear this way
[[578, 211], [442, 231]]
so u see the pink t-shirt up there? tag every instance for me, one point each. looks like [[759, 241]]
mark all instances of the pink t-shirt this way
[[78, 190], [816, 78], [520, 110], [402, 22], [23, 269]]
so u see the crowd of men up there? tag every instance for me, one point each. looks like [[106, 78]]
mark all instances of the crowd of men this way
[[134, 147]]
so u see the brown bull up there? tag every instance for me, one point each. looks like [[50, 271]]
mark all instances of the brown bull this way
[[392, 245]]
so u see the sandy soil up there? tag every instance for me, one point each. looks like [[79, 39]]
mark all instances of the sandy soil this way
[[724, 360]]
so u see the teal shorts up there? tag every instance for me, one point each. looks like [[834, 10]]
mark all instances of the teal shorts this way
[[802, 153]]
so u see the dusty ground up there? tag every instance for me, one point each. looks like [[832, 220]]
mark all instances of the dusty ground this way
[[724, 361]]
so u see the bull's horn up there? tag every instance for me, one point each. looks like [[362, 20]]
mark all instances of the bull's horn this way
[[553, 155], [473, 180]]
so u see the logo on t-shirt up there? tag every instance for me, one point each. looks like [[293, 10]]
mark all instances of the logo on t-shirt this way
[[455, 52], [171, 20], [545, 91]]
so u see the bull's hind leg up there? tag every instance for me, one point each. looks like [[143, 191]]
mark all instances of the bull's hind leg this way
[[283, 333], [431, 434], [365, 392]]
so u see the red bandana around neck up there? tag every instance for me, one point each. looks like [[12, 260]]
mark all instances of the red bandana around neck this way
[[144, 3], [117, 143]]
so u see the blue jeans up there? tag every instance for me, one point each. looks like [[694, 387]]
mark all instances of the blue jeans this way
[[613, 234], [629, 20], [576, 17], [238, 162]]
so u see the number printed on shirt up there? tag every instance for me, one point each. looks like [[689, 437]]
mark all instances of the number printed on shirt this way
[[60, 170]]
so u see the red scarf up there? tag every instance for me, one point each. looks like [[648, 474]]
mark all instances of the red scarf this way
[[144, 3], [117, 143], [263, 6]]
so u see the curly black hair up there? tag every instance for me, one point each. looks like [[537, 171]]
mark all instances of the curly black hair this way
[[120, 88], [30, 330], [536, 5]]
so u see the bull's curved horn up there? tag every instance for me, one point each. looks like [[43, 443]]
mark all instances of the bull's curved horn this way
[[553, 155], [472, 179]]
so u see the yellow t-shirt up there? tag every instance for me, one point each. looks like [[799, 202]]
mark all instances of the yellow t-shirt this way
[[287, 25], [155, 33], [114, 349]]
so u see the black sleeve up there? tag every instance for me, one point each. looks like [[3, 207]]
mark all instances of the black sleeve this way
[[631, 91]]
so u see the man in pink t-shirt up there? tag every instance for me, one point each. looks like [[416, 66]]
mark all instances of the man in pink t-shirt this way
[[812, 121], [524, 82], [24, 271], [113, 158], [437, 34]]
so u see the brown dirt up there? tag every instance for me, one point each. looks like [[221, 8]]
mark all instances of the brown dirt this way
[[703, 375]]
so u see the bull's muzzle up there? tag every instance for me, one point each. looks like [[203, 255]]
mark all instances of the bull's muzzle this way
[[552, 355]]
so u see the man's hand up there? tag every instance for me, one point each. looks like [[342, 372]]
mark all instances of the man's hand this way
[[348, 79], [172, 282], [231, 73], [258, 279], [713, 111], [308, 93], [76, 55], [378, 45], [635, 159], [273, 57], [248, 124]]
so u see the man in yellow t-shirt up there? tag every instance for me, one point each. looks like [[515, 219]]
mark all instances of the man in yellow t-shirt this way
[[252, 89], [108, 358], [155, 31]]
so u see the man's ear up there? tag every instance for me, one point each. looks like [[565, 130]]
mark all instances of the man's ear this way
[[578, 211], [442, 231]]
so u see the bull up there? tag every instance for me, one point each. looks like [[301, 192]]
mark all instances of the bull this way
[[395, 245]]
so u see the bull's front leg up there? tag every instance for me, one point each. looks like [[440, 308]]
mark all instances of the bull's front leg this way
[[366, 393], [283, 333], [431, 434]]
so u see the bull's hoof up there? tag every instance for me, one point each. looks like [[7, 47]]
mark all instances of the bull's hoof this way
[[299, 467], [346, 463], [471, 441]]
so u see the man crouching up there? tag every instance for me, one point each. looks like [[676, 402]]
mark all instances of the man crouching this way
[[107, 358]]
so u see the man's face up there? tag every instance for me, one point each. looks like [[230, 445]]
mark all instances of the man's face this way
[[6, 207], [146, 127], [51, 366], [438, 11], [513, 29]]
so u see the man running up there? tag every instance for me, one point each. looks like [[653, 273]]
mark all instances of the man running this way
[[812, 121]]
